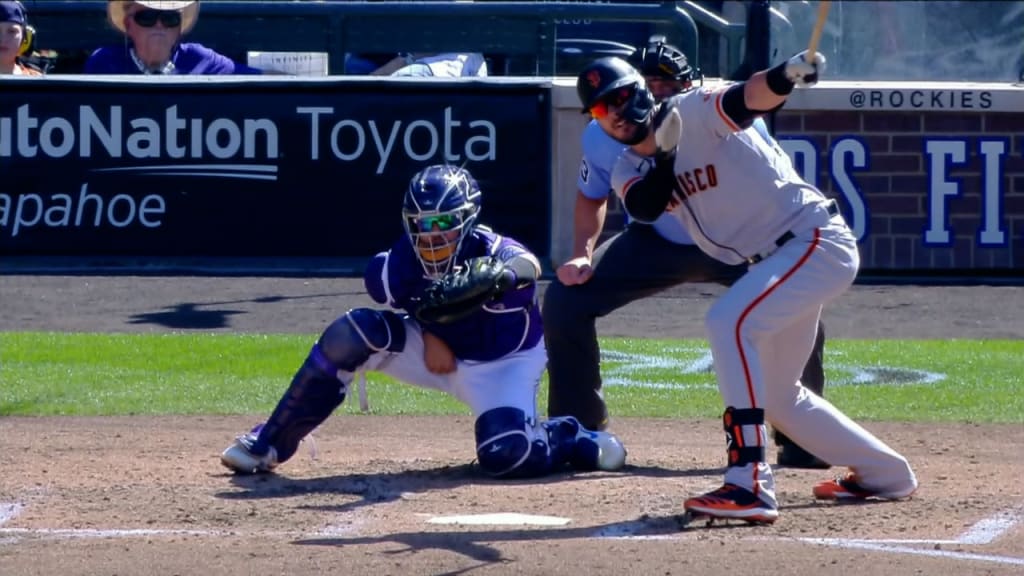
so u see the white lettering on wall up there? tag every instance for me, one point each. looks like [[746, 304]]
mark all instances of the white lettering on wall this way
[[993, 152], [941, 154], [62, 211], [856, 152], [105, 131], [421, 139], [804, 155]]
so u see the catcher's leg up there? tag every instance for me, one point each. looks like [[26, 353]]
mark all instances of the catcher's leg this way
[[511, 445], [813, 378], [318, 387]]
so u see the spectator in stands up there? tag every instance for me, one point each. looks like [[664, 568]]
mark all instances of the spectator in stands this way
[[447, 65], [153, 32], [15, 39]]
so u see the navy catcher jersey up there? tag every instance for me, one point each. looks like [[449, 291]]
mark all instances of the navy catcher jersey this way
[[501, 327]]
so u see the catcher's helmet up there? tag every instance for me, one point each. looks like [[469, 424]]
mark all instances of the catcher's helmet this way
[[438, 211], [663, 60], [608, 77]]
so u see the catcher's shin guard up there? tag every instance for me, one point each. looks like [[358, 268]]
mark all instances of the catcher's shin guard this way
[[506, 447], [321, 383]]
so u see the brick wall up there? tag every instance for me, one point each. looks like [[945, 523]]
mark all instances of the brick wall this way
[[883, 162]]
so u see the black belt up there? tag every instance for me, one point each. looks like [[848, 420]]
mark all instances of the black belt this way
[[831, 207]]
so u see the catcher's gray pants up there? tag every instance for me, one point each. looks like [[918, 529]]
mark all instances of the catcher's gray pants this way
[[634, 264]]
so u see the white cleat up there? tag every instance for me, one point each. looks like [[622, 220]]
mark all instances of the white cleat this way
[[611, 454], [239, 459]]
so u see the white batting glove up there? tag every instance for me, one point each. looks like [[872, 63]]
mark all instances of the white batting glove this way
[[803, 71], [668, 128]]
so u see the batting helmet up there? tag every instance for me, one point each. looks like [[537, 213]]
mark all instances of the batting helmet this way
[[438, 211], [604, 76], [663, 60]]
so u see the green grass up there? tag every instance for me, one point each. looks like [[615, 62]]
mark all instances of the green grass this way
[[104, 374]]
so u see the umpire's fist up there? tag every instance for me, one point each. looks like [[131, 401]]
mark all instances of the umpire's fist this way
[[575, 271], [803, 70]]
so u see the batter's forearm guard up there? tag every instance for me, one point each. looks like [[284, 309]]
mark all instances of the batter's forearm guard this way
[[647, 198]]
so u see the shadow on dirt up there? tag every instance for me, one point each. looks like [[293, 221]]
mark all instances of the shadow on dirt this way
[[195, 315], [386, 487], [477, 544]]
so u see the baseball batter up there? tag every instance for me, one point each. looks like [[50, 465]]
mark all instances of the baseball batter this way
[[640, 261], [487, 352], [698, 156]]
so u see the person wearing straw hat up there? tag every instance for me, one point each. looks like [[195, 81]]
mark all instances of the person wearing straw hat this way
[[153, 31], [15, 39]]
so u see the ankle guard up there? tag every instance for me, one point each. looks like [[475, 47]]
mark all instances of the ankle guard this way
[[739, 450]]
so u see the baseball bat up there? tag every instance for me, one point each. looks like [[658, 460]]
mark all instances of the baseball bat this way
[[812, 46]]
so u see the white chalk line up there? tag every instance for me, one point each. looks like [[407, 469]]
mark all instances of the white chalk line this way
[[985, 531], [893, 548]]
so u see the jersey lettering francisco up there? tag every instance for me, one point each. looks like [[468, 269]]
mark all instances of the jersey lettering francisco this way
[[736, 188]]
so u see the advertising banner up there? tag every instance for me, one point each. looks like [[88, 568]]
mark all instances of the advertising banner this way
[[257, 167]]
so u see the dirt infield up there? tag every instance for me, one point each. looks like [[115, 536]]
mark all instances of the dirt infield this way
[[394, 495]]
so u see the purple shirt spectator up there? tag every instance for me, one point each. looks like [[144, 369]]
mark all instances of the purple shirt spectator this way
[[188, 58]]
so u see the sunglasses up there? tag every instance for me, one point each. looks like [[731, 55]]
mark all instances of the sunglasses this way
[[444, 222], [149, 18], [613, 99]]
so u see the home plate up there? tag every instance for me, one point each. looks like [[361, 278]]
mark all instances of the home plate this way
[[501, 519]]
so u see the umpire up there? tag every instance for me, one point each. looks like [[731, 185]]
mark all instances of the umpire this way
[[640, 261]]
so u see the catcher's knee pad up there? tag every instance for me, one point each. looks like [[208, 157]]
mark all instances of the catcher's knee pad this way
[[350, 340], [746, 435], [503, 445]]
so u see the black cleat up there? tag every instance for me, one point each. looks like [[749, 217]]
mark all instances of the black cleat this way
[[793, 456]]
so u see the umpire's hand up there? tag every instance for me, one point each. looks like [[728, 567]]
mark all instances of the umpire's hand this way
[[575, 271]]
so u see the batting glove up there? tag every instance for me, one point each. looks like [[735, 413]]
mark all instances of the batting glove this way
[[803, 71], [668, 128]]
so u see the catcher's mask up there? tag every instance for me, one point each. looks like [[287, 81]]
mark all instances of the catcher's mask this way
[[439, 210], [662, 60], [613, 82]]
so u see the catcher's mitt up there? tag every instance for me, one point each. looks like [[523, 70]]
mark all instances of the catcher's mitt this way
[[460, 293]]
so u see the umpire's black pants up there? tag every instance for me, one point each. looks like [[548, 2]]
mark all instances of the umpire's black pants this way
[[634, 264]]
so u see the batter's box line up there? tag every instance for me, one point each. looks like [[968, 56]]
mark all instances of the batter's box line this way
[[985, 531]]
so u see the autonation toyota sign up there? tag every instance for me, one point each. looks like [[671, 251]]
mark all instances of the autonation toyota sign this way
[[236, 168]]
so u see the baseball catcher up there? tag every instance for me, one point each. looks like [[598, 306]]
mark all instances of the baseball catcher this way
[[463, 319]]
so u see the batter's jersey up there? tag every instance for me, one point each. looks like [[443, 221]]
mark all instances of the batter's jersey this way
[[600, 151], [739, 190], [501, 327]]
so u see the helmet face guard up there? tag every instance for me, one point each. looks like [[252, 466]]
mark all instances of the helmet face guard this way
[[613, 82], [439, 210], [662, 60]]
